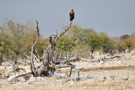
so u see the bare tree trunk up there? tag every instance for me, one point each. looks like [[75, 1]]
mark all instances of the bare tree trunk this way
[[49, 57], [33, 68], [15, 67], [1, 59]]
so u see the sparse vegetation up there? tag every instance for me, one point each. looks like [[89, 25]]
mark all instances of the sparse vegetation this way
[[16, 38], [43, 55]]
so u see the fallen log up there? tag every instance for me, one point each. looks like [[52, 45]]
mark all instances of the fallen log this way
[[26, 76]]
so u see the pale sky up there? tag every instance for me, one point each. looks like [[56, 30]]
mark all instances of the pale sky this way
[[114, 17]]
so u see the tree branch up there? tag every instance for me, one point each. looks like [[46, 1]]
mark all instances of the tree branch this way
[[64, 32], [33, 69]]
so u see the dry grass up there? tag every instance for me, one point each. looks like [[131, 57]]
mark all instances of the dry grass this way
[[93, 69]]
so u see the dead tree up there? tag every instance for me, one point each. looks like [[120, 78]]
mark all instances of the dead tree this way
[[49, 57], [32, 67], [15, 67], [1, 59]]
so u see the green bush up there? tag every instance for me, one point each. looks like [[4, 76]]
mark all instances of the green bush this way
[[65, 43]]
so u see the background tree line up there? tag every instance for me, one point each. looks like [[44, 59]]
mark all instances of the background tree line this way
[[79, 40], [16, 39]]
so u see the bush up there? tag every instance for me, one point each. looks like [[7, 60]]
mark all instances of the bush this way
[[65, 43]]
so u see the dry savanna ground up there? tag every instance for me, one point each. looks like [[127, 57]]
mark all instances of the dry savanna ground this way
[[110, 74]]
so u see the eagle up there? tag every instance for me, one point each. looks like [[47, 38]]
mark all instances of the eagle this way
[[71, 15]]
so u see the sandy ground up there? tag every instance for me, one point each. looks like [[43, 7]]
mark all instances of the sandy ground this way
[[114, 74]]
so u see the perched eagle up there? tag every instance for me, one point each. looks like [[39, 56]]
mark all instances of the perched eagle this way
[[71, 14]]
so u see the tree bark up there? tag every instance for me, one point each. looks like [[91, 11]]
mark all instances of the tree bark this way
[[1, 59]]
